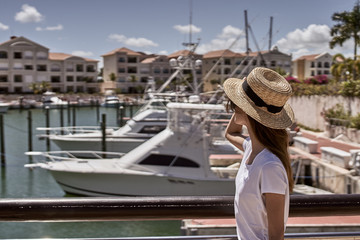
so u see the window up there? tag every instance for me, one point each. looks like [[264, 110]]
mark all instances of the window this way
[[326, 72], [312, 73], [18, 89], [41, 55], [273, 63], [70, 89], [132, 70], [4, 90], [156, 70], [132, 60], [166, 160], [18, 66], [69, 67], [55, 79], [227, 61], [254, 62], [17, 78], [121, 70], [227, 71], [90, 68], [121, 59], [327, 64], [3, 55], [41, 68], [17, 55], [165, 70], [29, 78], [29, 67], [319, 72], [28, 54], [4, 66], [79, 79], [55, 67], [79, 68], [80, 89], [319, 65], [3, 78], [312, 64]]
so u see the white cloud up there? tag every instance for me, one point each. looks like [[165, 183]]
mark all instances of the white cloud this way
[[82, 53], [28, 14], [133, 42], [230, 36], [163, 52], [230, 32], [59, 27], [186, 28], [3, 27], [311, 40]]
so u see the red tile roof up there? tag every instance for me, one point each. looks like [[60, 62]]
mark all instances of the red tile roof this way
[[123, 49], [63, 56], [219, 53], [181, 53], [307, 57]]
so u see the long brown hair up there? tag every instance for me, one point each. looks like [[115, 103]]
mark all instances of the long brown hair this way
[[275, 140]]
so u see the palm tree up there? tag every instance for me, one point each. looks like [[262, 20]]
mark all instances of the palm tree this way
[[345, 68], [347, 27]]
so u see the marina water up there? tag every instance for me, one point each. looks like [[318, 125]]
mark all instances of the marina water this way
[[20, 182]]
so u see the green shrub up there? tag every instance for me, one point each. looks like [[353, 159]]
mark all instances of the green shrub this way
[[337, 115], [355, 121]]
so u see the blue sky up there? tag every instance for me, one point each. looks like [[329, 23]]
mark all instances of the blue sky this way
[[90, 28]]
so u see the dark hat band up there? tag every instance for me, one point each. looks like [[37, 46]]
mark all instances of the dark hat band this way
[[257, 100]]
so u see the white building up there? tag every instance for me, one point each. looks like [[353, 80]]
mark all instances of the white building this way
[[24, 63], [312, 65]]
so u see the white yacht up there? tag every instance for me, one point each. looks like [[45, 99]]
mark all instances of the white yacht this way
[[174, 162]]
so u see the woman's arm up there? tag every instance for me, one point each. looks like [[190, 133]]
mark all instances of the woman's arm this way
[[233, 133], [275, 213]]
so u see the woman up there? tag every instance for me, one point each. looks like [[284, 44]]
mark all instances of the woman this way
[[264, 179]]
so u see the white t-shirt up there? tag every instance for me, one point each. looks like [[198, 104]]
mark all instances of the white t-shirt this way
[[265, 175]]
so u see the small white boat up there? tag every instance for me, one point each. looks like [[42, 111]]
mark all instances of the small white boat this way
[[111, 101], [50, 99], [174, 162], [4, 106]]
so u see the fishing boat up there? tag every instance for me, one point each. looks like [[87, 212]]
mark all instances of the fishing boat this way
[[50, 99], [175, 162]]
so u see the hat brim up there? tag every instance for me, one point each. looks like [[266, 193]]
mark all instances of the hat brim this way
[[281, 120]]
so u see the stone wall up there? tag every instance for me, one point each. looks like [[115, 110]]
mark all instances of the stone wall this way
[[308, 109]]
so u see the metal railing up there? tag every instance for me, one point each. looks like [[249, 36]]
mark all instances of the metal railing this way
[[169, 208]]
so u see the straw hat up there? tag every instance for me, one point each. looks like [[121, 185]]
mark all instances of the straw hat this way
[[262, 96]]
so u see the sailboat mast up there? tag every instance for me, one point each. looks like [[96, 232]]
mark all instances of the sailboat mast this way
[[270, 33]]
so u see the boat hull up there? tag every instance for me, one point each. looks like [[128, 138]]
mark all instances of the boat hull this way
[[108, 184]]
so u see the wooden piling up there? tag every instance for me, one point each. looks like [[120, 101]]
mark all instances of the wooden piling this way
[[30, 143], [69, 113], [47, 116], [2, 138], [121, 118], [61, 119], [73, 116], [103, 133], [97, 110]]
